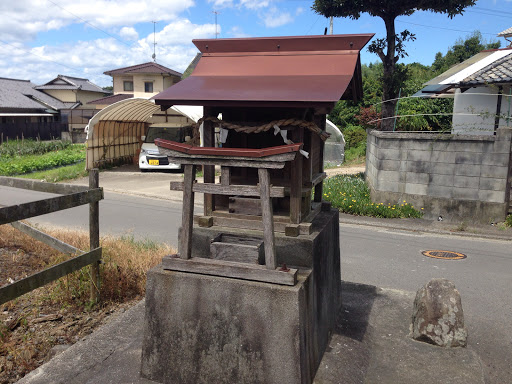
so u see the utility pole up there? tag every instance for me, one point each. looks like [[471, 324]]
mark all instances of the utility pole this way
[[154, 41], [216, 13]]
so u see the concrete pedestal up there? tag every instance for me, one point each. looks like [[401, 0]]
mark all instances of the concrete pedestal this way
[[209, 329]]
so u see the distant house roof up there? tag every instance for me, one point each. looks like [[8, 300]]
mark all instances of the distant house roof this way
[[149, 67], [499, 71], [486, 67], [68, 82], [506, 33], [112, 99], [20, 94], [191, 66]]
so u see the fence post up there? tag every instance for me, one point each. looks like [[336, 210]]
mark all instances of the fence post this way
[[94, 235]]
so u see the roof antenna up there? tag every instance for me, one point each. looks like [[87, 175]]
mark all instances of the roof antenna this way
[[154, 41], [216, 13]]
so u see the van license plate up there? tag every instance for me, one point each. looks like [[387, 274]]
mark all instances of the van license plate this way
[[154, 162]]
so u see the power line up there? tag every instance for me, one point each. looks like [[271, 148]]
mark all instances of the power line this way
[[42, 57], [497, 11], [101, 30], [95, 27], [446, 29], [310, 28], [490, 14], [88, 23]]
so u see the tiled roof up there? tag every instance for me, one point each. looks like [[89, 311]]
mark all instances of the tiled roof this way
[[72, 104], [112, 99], [499, 71], [149, 67], [68, 82], [20, 94]]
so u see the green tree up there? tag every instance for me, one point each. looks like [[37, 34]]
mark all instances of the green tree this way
[[391, 48], [462, 50]]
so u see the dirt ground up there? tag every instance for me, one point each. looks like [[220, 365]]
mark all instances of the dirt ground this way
[[35, 327], [40, 324]]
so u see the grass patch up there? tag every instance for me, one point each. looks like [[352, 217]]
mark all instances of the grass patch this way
[[508, 221], [19, 165], [350, 194], [25, 341], [68, 172], [123, 269], [355, 155]]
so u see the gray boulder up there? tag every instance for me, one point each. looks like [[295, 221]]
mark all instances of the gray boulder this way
[[437, 315]]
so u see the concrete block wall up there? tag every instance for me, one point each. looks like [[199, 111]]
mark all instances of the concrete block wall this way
[[459, 177]]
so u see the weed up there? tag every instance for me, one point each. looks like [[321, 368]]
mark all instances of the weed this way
[[55, 175], [350, 194], [355, 155], [125, 262], [462, 227], [508, 221]]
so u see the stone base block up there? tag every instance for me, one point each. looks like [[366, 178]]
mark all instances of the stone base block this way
[[206, 329], [213, 329]]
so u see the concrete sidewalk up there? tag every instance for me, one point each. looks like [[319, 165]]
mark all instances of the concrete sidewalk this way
[[370, 345]]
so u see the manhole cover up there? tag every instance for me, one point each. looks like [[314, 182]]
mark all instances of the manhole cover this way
[[447, 255]]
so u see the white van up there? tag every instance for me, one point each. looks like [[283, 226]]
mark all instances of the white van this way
[[149, 157]]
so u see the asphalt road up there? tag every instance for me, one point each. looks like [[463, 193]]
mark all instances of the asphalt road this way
[[376, 256]]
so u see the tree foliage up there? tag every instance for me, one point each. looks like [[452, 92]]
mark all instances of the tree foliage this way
[[391, 48], [462, 50], [425, 114]]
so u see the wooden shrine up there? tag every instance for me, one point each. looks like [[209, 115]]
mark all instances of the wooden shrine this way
[[257, 276], [272, 95]]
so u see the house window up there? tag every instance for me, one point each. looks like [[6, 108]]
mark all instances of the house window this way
[[148, 86], [128, 85]]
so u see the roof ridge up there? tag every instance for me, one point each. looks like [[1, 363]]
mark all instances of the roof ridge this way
[[66, 79], [130, 68], [10, 78]]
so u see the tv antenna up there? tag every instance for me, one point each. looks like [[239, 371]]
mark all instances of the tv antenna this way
[[216, 13], [154, 41]]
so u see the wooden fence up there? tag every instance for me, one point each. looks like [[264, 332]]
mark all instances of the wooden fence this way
[[71, 196]]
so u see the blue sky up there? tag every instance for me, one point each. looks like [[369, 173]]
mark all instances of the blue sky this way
[[40, 39]]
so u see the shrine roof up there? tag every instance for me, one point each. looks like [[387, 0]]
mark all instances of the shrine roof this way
[[298, 71]]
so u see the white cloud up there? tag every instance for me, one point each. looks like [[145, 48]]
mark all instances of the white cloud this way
[[91, 58], [23, 19], [255, 4], [221, 3], [128, 33], [299, 11], [237, 32], [275, 18], [182, 32], [249, 4]]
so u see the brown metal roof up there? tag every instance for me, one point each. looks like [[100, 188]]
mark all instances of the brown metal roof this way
[[297, 71]]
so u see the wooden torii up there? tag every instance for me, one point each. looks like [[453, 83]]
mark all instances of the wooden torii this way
[[262, 159]]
